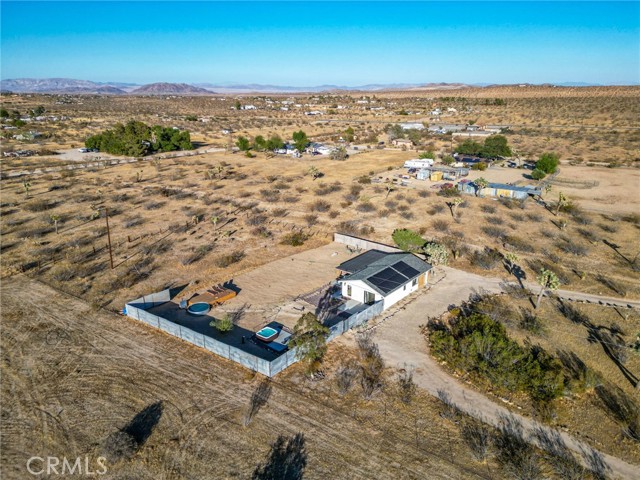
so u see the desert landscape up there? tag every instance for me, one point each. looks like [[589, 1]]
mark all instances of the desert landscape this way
[[83, 233]]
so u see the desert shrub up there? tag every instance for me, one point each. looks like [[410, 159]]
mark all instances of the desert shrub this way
[[449, 192], [530, 322], [320, 206], [295, 239], [257, 219], [261, 231], [631, 218], [364, 179], [311, 219], [488, 208], [371, 365], [348, 227], [345, 376], [494, 232], [535, 217], [578, 376], [508, 202], [291, 199], [269, 195], [424, 193], [519, 244], [39, 205], [450, 410], [365, 207], [407, 215], [226, 260], [279, 212], [281, 185], [440, 225], [518, 217], [438, 208], [478, 345], [133, 222], [477, 436], [486, 259], [573, 248], [609, 227], [589, 235], [406, 386], [197, 254], [325, 189]]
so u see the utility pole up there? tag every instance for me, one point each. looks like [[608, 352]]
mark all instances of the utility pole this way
[[106, 217]]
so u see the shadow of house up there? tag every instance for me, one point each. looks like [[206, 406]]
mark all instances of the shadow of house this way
[[175, 291]]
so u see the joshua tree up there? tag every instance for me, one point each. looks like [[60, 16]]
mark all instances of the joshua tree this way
[[314, 172], [389, 186], [547, 281], [27, 186], [547, 188], [562, 200], [55, 219], [453, 205], [511, 259], [481, 183], [139, 176], [214, 219]]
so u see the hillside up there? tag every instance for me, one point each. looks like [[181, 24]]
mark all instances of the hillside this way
[[170, 88]]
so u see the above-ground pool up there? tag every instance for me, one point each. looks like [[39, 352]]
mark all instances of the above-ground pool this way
[[199, 308], [267, 334]]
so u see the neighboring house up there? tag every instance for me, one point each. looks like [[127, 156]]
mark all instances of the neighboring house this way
[[499, 190], [399, 142], [382, 276], [412, 126]]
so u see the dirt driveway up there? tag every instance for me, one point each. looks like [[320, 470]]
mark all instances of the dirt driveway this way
[[400, 343]]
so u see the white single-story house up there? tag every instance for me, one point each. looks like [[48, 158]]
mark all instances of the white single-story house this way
[[382, 276], [412, 126]]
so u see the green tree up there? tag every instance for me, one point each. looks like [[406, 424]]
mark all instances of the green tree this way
[[408, 240], [224, 324], [395, 131], [237, 105], [339, 153], [314, 172], [310, 341], [428, 154], [448, 160], [548, 162], [469, 147], [274, 143], [538, 174], [4, 113], [243, 144], [547, 281], [259, 143], [300, 140], [348, 134], [495, 146], [511, 261]]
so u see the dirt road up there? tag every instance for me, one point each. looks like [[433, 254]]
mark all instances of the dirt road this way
[[401, 343]]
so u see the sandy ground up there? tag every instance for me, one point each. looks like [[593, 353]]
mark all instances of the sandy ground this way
[[269, 291]]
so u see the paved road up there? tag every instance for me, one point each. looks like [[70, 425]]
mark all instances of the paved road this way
[[401, 343]]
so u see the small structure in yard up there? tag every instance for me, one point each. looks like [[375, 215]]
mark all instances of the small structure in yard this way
[[214, 296], [419, 163], [447, 173], [499, 190], [402, 142], [382, 276]]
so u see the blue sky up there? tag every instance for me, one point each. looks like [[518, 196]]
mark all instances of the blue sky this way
[[313, 43]]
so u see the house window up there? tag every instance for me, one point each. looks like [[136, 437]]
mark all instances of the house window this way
[[348, 290], [415, 282]]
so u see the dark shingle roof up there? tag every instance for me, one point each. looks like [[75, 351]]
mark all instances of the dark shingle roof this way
[[383, 271]]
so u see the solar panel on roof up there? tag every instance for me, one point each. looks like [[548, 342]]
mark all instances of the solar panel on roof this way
[[407, 270], [387, 280]]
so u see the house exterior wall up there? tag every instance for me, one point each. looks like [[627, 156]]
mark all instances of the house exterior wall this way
[[358, 287]]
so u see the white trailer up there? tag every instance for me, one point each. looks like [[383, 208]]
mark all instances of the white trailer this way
[[419, 163]]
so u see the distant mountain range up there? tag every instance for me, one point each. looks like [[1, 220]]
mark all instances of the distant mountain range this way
[[68, 85]]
